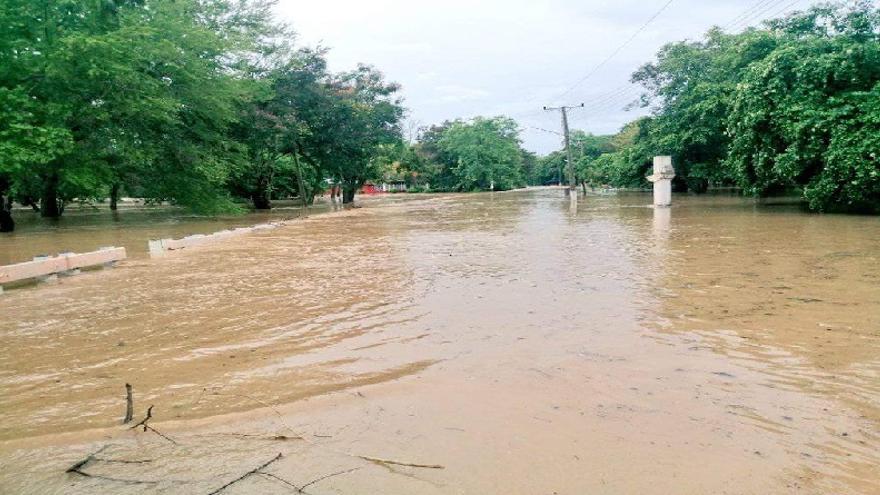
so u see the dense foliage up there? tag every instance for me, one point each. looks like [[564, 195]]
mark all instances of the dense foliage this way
[[198, 103], [465, 155], [793, 106]]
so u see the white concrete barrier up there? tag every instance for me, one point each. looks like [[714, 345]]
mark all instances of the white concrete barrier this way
[[47, 268], [159, 247]]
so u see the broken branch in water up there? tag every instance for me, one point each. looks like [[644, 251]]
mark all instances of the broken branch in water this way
[[144, 421], [249, 473], [157, 432], [129, 405], [376, 460], [79, 467]]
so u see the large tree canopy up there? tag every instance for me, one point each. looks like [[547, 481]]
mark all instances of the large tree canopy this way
[[486, 153], [197, 103], [788, 107]]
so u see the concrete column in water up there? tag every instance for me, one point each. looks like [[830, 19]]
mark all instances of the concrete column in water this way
[[662, 179]]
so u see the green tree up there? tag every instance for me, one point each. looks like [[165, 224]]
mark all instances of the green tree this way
[[586, 148], [691, 87], [788, 107], [630, 161], [365, 114], [808, 115], [143, 93], [487, 153]]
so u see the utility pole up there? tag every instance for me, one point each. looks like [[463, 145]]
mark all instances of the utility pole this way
[[570, 163]]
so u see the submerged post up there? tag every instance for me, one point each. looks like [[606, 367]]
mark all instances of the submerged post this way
[[662, 179], [129, 405]]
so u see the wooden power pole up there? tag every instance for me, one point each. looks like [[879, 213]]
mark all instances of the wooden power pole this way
[[569, 169]]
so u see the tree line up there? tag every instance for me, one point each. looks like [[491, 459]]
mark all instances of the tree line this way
[[196, 103], [478, 154], [207, 104], [791, 107]]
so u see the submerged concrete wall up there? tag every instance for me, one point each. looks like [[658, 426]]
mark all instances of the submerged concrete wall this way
[[49, 267], [159, 247]]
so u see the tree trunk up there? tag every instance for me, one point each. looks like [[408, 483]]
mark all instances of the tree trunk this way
[[261, 200], [49, 207], [299, 181], [348, 194], [7, 224], [261, 197], [114, 196]]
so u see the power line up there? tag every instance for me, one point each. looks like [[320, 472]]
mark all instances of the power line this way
[[744, 14], [758, 14], [619, 92], [620, 48], [627, 93], [542, 130], [625, 89], [619, 95], [786, 8]]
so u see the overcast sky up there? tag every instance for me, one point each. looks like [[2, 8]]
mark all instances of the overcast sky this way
[[462, 58]]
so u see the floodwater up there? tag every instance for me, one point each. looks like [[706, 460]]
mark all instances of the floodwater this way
[[489, 343]]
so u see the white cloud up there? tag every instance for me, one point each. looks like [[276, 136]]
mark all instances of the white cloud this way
[[455, 93], [460, 58]]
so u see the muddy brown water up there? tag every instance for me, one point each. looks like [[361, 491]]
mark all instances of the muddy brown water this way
[[524, 345]]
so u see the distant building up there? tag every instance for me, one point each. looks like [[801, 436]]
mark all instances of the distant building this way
[[385, 187]]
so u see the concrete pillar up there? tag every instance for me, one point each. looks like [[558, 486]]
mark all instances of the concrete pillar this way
[[662, 179]]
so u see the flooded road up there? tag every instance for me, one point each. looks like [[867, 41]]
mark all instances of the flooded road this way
[[487, 343]]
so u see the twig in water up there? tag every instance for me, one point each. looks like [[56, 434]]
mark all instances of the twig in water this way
[[157, 432], [399, 463], [123, 461], [276, 438], [144, 421], [322, 478], [376, 460], [249, 473], [276, 477], [77, 468]]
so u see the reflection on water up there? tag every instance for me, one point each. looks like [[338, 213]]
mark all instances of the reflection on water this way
[[528, 343]]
